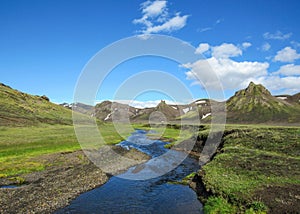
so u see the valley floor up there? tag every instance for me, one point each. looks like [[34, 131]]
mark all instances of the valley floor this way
[[255, 169], [48, 168]]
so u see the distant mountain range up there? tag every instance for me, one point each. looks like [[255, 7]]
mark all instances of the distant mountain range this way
[[255, 104]]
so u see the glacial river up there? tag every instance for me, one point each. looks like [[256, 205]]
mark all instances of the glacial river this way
[[155, 195]]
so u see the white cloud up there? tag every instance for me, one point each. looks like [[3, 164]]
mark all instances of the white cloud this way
[[265, 47], [156, 18], [219, 21], [285, 85], [204, 29], [277, 35], [203, 47], [231, 74], [172, 24], [246, 45], [152, 9], [287, 54], [289, 70], [212, 27], [295, 44], [226, 50], [220, 69], [146, 104]]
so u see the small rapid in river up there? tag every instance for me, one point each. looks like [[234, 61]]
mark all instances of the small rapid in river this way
[[155, 195]]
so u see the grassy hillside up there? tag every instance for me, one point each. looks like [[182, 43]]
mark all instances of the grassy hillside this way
[[255, 104], [19, 109], [257, 169]]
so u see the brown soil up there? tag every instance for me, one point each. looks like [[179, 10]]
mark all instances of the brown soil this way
[[285, 199], [68, 175]]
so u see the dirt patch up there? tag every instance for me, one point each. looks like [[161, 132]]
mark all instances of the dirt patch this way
[[67, 176], [281, 199]]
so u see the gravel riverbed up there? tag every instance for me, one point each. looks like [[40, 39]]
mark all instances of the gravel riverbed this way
[[67, 176]]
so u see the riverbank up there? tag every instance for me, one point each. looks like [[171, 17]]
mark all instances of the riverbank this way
[[255, 170], [143, 190], [46, 164], [66, 176]]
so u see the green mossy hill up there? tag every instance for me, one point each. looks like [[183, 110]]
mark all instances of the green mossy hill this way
[[257, 167], [21, 109], [255, 104]]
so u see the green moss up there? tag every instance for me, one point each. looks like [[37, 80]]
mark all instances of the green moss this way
[[20, 145], [17, 180], [218, 205], [253, 158]]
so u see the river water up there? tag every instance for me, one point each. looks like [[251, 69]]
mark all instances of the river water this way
[[155, 195]]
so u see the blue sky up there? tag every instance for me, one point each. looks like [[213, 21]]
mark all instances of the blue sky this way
[[44, 45]]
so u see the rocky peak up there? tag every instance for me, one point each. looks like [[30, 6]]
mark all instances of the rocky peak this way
[[162, 103], [254, 90]]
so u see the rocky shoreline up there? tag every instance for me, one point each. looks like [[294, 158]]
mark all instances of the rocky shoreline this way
[[67, 176]]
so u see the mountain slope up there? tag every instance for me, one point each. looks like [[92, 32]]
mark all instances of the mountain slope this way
[[108, 110], [80, 107], [295, 99], [256, 104], [19, 109], [162, 112]]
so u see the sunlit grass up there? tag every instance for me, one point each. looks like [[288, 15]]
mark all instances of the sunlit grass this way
[[253, 158], [19, 145]]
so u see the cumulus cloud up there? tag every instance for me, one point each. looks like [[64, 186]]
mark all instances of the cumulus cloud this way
[[265, 47], [203, 47], [225, 51], [231, 74], [221, 69], [287, 54], [289, 70], [153, 9], [277, 35], [156, 18], [246, 45], [172, 24], [285, 85]]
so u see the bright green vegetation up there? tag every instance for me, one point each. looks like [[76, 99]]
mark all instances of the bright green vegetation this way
[[18, 145], [21, 147], [186, 180], [170, 133], [19, 109], [254, 166], [216, 205]]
